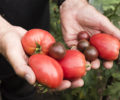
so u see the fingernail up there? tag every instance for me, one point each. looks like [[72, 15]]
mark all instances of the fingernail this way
[[28, 77]]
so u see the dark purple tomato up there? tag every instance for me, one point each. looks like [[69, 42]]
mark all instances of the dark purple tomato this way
[[83, 35], [82, 44], [57, 51], [91, 53]]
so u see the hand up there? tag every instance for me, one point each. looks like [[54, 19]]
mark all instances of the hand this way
[[78, 15], [11, 48], [14, 53]]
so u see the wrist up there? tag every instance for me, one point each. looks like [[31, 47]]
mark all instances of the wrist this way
[[78, 1], [4, 25], [74, 3]]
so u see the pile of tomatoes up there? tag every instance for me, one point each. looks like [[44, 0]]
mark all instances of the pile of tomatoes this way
[[52, 63]]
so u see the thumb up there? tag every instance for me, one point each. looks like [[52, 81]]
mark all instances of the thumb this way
[[107, 27], [20, 66]]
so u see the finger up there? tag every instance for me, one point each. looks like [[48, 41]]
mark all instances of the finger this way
[[91, 31], [108, 64], [95, 64], [77, 83], [69, 35], [70, 29], [107, 27], [64, 85], [72, 43], [16, 57], [21, 30]]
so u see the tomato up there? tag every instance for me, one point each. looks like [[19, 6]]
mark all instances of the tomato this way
[[37, 40], [107, 46], [91, 53], [83, 35], [73, 64], [82, 44], [47, 70], [57, 50]]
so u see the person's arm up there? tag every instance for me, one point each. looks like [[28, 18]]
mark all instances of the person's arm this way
[[11, 49]]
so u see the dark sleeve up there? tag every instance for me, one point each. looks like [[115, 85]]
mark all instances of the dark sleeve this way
[[60, 2]]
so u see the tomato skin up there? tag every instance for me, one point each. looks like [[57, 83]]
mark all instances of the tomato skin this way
[[47, 70], [73, 64], [83, 35], [57, 51], [107, 46], [33, 36]]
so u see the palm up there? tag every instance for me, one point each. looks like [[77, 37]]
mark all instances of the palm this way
[[84, 18], [15, 54], [78, 15]]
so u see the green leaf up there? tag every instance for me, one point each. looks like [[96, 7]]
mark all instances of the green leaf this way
[[113, 90], [116, 76]]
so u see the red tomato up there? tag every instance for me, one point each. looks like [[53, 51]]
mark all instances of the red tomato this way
[[107, 46], [47, 70], [37, 40], [73, 64]]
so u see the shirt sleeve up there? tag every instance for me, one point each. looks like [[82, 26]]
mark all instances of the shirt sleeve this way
[[60, 2]]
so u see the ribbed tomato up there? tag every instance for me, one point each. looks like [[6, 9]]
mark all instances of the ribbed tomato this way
[[107, 46], [73, 64], [47, 70], [37, 40]]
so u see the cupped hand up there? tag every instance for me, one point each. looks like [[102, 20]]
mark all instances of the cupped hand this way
[[78, 15], [11, 48], [13, 51]]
